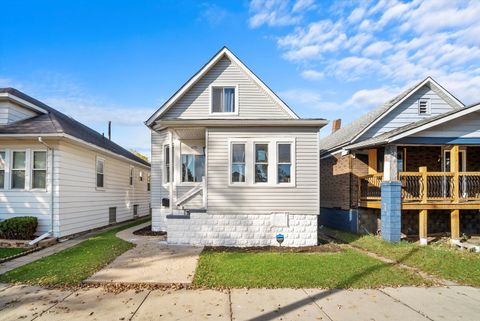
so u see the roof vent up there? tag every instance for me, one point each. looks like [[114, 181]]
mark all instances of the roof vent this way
[[336, 124]]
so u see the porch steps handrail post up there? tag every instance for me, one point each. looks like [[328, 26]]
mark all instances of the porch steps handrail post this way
[[424, 186]]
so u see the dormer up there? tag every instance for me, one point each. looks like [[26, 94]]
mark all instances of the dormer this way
[[14, 108]]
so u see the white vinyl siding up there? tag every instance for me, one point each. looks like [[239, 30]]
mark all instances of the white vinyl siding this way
[[225, 198], [467, 126], [27, 201], [10, 112], [81, 205], [253, 101], [408, 112]]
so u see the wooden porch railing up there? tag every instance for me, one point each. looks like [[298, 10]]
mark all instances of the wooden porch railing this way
[[425, 187]]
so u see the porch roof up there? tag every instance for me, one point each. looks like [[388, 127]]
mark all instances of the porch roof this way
[[236, 122], [407, 130]]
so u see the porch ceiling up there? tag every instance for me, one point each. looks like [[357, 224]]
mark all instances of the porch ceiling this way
[[190, 133]]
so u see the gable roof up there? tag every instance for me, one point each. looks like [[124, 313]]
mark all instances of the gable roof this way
[[53, 122], [415, 127], [350, 133], [224, 52]]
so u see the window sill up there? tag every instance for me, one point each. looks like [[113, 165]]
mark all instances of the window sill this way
[[264, 185], [100, 189]]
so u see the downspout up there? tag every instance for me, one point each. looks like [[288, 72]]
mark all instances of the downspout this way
[[41, 237]]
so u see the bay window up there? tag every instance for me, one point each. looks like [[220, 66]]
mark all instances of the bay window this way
[[261, 163], [284, 163], [39, 170], [18, 170], [238, 163], [193, 167], [2, 170]]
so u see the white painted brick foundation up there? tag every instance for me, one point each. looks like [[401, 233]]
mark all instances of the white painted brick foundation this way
[[159, 220], [239, 230]]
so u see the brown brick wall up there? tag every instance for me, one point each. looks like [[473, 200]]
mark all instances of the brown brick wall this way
[[335, 181], [339, 180], [473, 158], [418, 156]]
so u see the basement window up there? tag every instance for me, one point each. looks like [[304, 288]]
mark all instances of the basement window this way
[[424, 107]]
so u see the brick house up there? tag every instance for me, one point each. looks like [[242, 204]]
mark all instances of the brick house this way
[[410, 166]]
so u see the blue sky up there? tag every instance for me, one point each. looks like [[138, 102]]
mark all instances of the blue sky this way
[[120, 60]]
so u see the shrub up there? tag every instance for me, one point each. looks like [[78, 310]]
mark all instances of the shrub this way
[[18, 228]]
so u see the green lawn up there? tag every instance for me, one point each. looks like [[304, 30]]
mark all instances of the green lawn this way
[[9, 251], [73, 265], [440, 260], [345, 269]]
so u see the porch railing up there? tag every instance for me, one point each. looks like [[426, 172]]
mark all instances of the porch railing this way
[[426, 186]]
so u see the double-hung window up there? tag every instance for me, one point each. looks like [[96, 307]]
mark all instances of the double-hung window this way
[[148, 182], [223, 99], [100, 169], [193, 167], [39, 170], [284, 163], [140, 176], [18, 170], [261, 163], [238, 163], [2, 170]]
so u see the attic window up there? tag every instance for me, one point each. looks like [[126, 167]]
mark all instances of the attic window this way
[[223, 99], [424, 107]]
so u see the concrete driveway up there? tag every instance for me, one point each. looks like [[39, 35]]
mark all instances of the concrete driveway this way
[[406, 303], [151, 261]]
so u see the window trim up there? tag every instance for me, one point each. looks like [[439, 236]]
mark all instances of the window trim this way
[[32, 164], [6, 171], [272, 165], [26, 170], [429, 111], [210, 98], [102, 188]]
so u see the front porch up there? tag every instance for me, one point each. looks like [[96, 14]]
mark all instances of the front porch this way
[[434, 179]]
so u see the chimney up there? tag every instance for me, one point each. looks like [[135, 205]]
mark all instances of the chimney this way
[[109, 130], [336, 124]]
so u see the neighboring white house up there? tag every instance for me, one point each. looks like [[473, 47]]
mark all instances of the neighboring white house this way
[[64, 173], [232, 164]]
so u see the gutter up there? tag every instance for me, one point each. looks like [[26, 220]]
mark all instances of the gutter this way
[[52, 199]]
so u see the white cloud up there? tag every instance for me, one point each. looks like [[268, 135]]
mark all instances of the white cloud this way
[[308, 99], [312, 74], [368, 98], [389, 41], [276, 13]]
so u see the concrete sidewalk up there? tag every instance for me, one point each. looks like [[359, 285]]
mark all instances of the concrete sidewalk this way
[[151, 261], [406, 303]]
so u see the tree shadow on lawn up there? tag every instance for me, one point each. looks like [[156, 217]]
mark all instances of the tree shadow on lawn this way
[[313, 298]]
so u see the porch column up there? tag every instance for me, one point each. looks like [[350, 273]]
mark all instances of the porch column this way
[[455, 225], [391, 191], [455, 214], [422, 226], [372, 161], [170, 155]]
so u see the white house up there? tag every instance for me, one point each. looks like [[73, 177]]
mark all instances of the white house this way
[[232, 164], [64, 173]]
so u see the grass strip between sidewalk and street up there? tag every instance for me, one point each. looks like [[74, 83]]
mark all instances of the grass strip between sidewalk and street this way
[[344, 269], [440, 260], [73, 265], [9, 251]]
